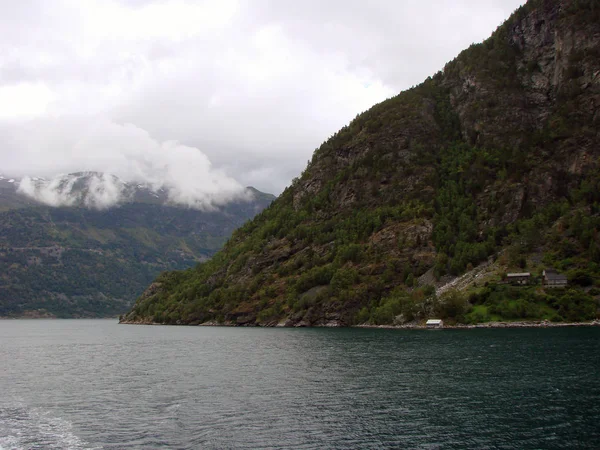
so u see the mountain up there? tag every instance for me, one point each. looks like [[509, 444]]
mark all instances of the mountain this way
[[420, 206], [105, 240]]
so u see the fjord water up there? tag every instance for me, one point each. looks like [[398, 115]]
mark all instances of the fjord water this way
[[96, 384]]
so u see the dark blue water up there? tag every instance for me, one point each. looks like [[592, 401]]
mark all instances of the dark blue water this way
[[96, 384]]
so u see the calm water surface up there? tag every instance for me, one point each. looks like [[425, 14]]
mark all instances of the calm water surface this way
[[95, 384]]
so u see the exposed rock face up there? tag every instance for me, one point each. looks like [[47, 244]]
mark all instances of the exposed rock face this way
[[556, 62], [366, 214]]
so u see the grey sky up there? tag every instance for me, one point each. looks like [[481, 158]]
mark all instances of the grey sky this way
[[210, 91]]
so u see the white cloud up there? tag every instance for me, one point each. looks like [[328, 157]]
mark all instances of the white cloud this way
[[175, 20], [24, 100], [98, 191], [251, 86], [123, 150]]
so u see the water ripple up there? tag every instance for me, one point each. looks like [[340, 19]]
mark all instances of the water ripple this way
[[94, 384]]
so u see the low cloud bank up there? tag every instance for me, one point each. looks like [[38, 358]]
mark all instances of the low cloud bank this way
[[115, 156], [93, 190]]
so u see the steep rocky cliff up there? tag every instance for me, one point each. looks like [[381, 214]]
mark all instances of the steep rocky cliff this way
[[497, 154]]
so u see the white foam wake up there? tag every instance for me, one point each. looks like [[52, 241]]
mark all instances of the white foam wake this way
[[24, 427]]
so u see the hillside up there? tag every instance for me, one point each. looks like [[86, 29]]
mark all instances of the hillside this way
[[495, 159], [80, 262]]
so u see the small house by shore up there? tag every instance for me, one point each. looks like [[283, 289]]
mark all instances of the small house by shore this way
[[434, 323], [518, 278], [551, 278]]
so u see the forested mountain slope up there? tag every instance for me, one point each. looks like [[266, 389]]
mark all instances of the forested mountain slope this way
[[496, 156], [81, 262]]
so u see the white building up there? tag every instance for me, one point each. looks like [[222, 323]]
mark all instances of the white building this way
[[435, 323]]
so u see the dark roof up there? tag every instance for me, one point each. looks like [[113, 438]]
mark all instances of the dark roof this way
[[551, 275]]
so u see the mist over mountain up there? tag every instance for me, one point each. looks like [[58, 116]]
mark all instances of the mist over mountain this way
[[125, 151], [101, 191]]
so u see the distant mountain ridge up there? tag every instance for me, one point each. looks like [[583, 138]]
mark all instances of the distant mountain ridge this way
[[102, 190], [88, 259]]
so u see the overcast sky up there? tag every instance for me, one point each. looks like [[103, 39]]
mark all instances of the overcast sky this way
[[210, 92]]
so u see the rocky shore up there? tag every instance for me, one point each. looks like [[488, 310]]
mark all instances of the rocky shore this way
[[542, 324], [408, 326]]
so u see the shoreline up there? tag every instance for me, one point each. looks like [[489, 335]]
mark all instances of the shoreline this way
[[412, 326], [529, 324]]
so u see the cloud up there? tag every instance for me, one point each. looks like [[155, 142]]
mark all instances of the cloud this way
[[95, 191], [24, 100], [123, 150], [248, 88]]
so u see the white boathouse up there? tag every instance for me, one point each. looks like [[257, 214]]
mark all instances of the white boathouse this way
[[435, 323]]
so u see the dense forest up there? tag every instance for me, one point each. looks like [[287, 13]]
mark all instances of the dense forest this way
[[490, 166], [80, 262]]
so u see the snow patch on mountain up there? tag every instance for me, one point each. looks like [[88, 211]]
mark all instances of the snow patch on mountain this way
[[92, 190], [101, 191], [125, 150]]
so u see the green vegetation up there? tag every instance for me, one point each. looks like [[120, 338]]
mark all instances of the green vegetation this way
[[75, 262], [518, 303], [472, 164]]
